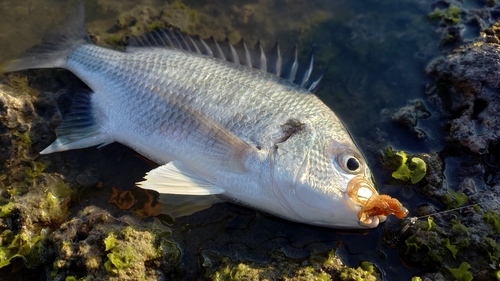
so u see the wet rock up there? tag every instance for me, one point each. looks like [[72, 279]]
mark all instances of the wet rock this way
[[465, 90], [434, 180], [104, 247], [456, 21], [466, 81], [324, 266], [409, 115], [38, 222], [33, 202]]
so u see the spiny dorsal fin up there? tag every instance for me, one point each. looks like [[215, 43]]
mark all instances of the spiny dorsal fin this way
[[277, 66], [261, 60], [239, 53], [244, 53]]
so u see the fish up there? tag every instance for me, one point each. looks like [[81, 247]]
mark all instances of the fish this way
[[220, 120]]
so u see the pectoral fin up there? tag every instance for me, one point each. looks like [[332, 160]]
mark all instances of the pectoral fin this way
[[211, 143], [172, 178]]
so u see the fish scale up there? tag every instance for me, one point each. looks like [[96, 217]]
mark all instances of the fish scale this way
[[216, 122]]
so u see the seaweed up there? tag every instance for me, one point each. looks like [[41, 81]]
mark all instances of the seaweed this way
[[322, 266], [409, 169], [451, 15], [364, 272], [453, 249], [493, 220], [454, 199], [21, 85], [461, 273]]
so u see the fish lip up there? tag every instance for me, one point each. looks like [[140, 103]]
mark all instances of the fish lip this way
[[371, 222], [374, 207], [359, 191]]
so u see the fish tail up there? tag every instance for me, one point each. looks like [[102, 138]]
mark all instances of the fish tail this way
[[56, 46]]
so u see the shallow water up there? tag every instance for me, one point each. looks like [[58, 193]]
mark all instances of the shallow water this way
[[377, 51]]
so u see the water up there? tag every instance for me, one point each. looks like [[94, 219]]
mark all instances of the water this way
[[377, 51]]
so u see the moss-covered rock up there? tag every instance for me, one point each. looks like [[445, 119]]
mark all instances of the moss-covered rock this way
[[33, 202], [37, 225], [321, 267], [96, 245]]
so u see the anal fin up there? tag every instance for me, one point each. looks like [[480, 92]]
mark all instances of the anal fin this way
[[173, 178]]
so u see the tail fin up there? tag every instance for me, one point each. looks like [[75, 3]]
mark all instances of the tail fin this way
[[56, 46]]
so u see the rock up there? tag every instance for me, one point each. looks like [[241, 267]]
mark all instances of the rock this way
[[409, 115]]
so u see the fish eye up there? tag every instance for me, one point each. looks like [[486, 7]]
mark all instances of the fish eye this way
[[352, 164], [349, 161]]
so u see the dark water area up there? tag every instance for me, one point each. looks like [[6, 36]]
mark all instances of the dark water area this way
[[376, 52]]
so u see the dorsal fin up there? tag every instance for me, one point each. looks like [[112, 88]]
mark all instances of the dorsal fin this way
[[239, 53], [244, 53], [278, 63], [309, 70]]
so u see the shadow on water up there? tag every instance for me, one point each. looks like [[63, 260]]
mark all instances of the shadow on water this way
[[377, 52]]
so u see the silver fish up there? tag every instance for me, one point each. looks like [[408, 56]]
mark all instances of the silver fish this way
[[219, 120]]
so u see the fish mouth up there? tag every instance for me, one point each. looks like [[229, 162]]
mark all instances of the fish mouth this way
[[374, 207]]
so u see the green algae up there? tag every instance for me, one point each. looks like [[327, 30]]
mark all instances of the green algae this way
[[7, 209], [185, 17], [411, 169], [413, 244], [453, 249], [179, 5], [34, 170], [122, 255], [453, 243], [430, 223], [451, 15], [27, 242], [462, 273], [24, 244], [119, 259], [21, 85], [21, 139], [115, 40], [35, 215], [493, 220], [454, 199], [110, 242], [493, 250], [324, 266], [123, 248], [33, 202], [60, 189], [155, 25], [364, 272], [124, 252]]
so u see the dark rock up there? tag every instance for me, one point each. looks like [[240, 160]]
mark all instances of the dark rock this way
[[409, 115]]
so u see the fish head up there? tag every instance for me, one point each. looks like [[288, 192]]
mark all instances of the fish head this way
[[321, 178]]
